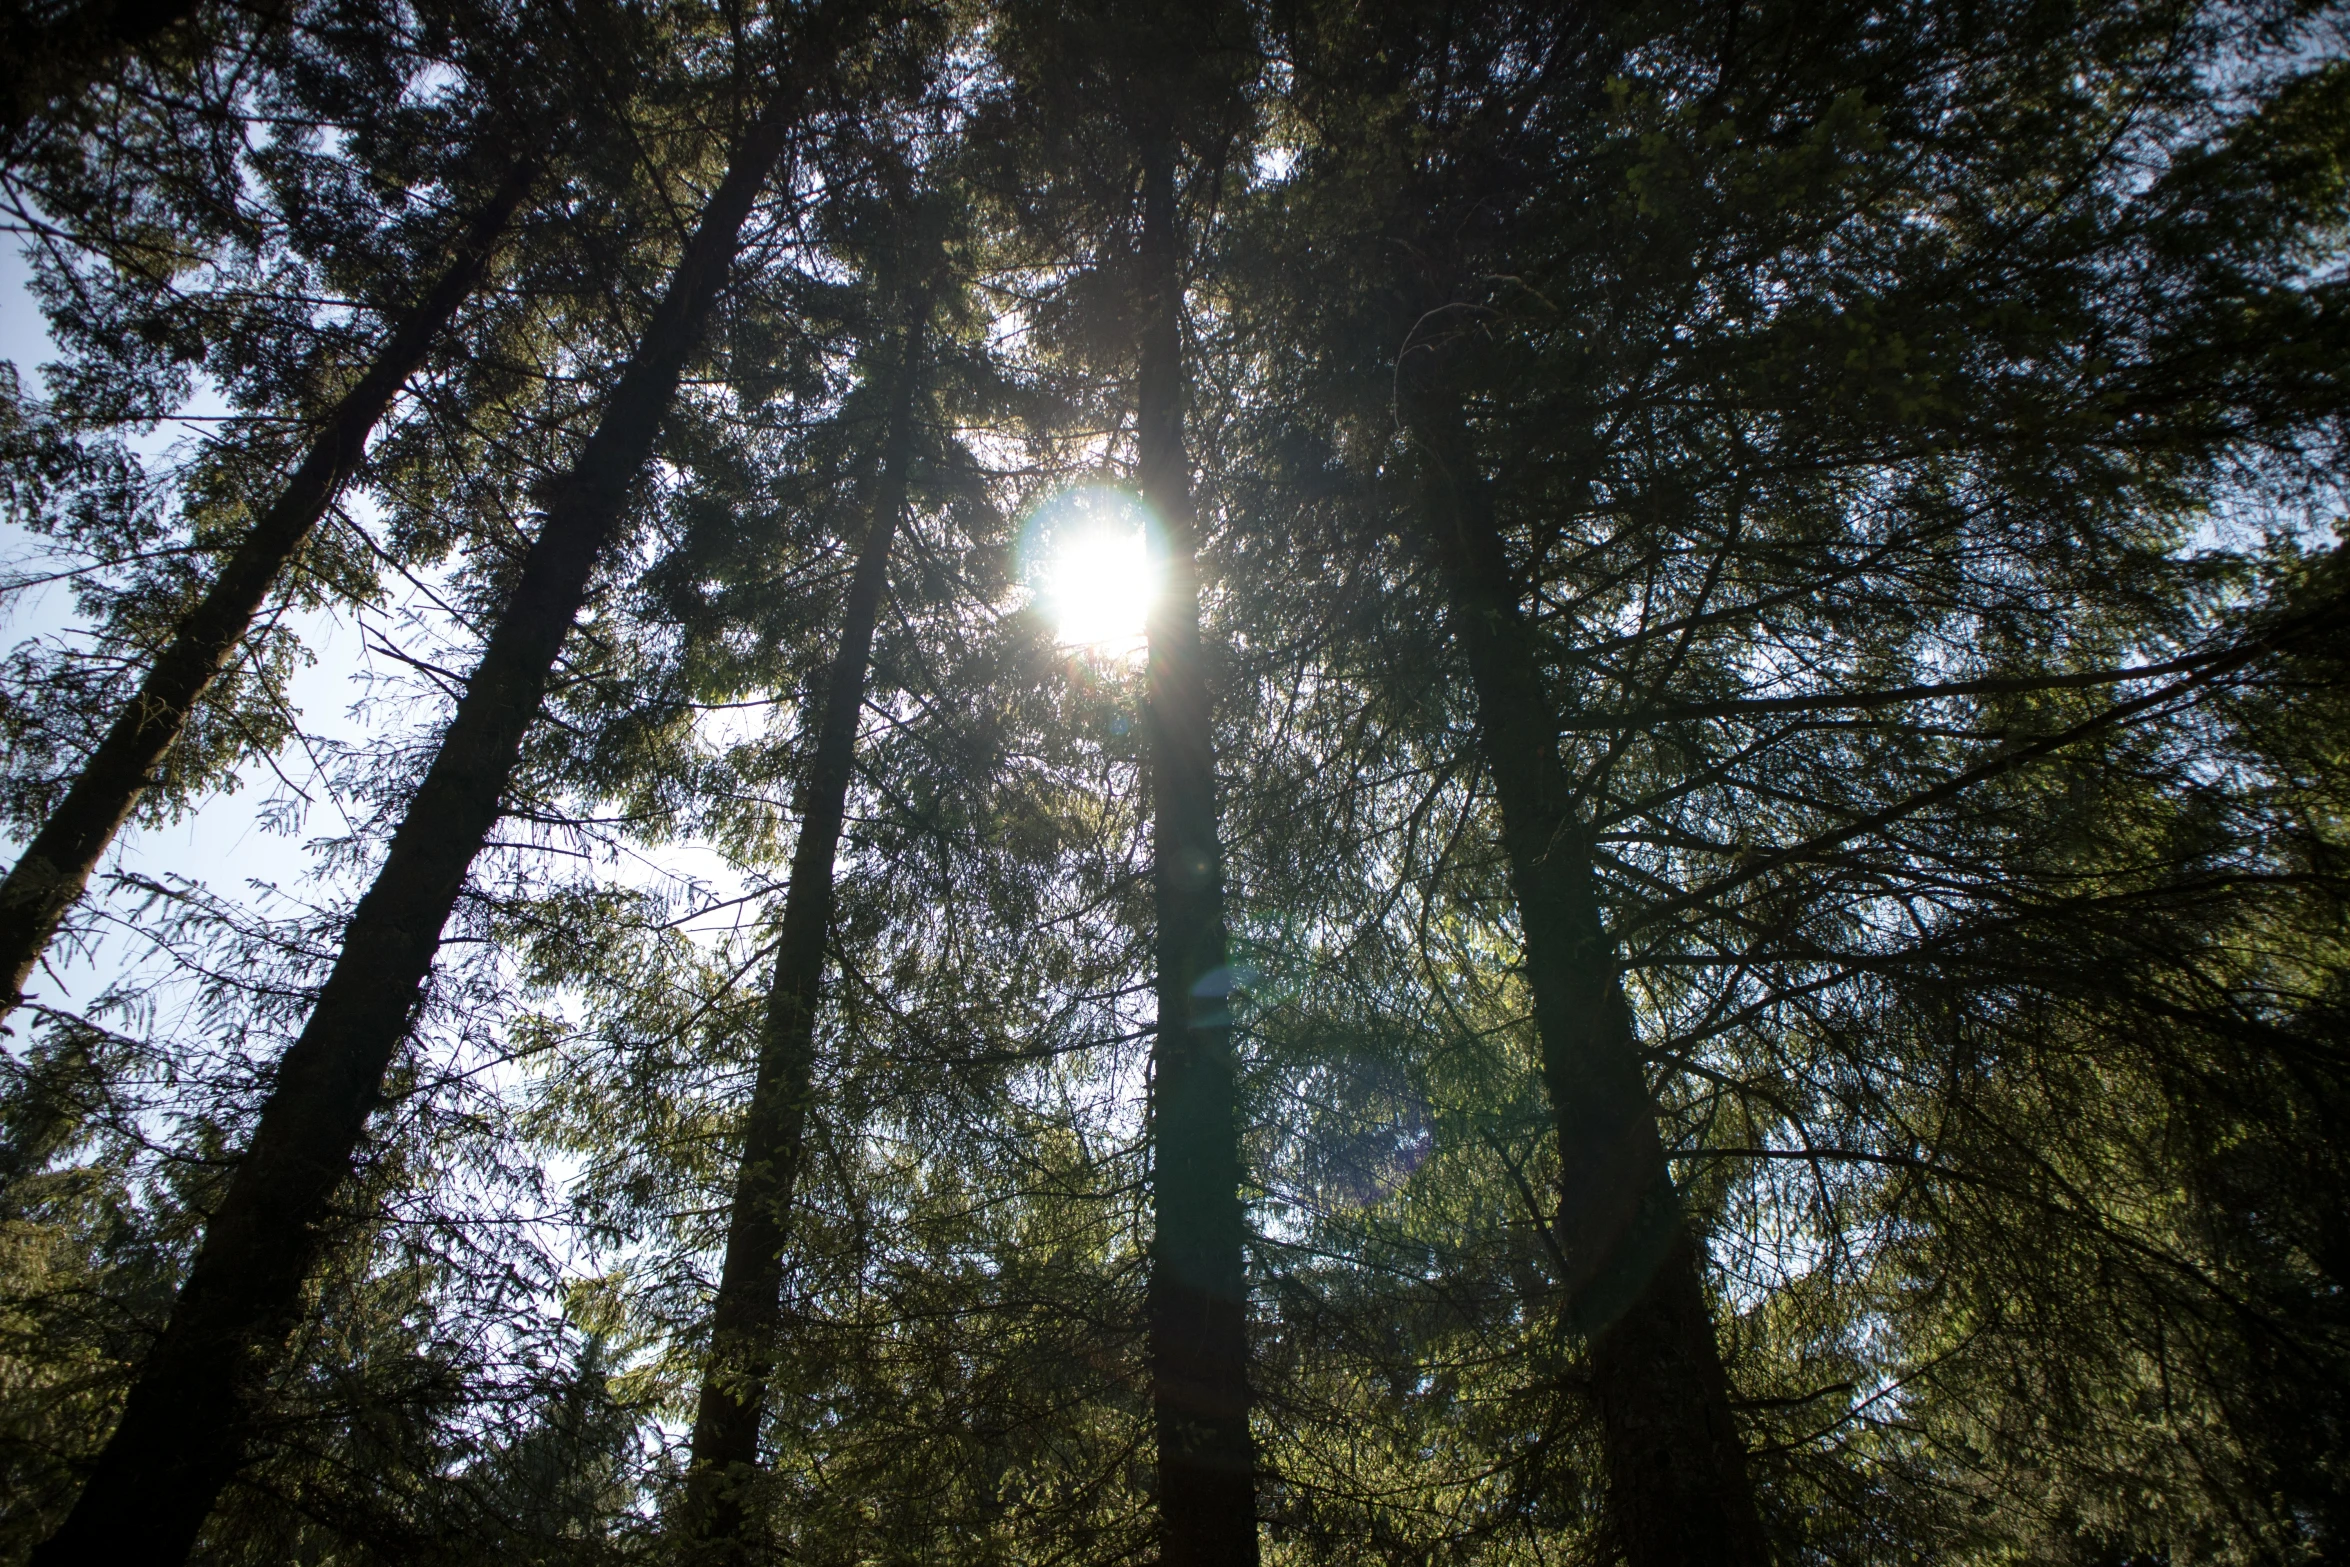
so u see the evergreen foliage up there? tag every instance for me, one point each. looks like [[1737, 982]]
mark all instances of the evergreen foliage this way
[[1750, 828]]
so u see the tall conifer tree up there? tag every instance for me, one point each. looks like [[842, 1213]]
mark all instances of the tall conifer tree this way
[[746, 1314], [182, 1431], [1198, 1300], [57, 864], [1750, 667]]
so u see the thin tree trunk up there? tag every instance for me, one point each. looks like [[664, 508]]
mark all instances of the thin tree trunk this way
[[56, 866], [54, 60], [1198, 1292], [747, 1314], [1678, 1490], [184, 1426]]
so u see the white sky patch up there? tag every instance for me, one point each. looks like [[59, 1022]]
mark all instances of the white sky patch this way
[[1273, 165]]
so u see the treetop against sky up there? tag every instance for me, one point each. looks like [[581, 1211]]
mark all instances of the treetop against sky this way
[[1212, 783]]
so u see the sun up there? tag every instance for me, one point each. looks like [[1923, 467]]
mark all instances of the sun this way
[[1098, 587], [1093, 570]]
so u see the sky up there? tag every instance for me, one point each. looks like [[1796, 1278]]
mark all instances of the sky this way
[[1094, 573], [231, 844], [223, 844]]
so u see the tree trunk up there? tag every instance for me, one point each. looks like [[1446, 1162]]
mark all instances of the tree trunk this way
[[1198, 1292], [184, 1426], [1678, 1490], [56, 866], [747, 1314]]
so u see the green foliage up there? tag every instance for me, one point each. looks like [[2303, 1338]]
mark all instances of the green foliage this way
[[1915, 433]]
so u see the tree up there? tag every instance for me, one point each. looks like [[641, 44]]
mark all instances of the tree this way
[[745, 1316], [181, 1431], [57, 863], [53, 56], [1713, 928], [1657, 458], [1164, 84]]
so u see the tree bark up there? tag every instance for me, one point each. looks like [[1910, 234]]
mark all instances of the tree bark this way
[[185, 1423], [57, 864], [1198, 1293], [747, 1314], [1678, 1490]]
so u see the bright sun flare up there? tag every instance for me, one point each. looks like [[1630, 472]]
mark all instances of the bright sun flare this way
[[1097, 579]]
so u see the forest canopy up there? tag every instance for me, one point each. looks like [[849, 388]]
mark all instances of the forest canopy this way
[[1215, 782]]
